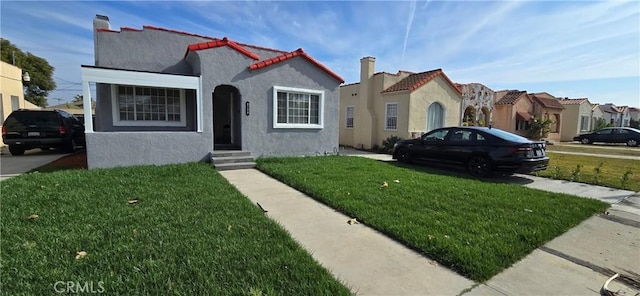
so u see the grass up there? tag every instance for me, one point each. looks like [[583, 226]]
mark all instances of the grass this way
[[596, 149], [611, 170], [189, 233], [475, 228]]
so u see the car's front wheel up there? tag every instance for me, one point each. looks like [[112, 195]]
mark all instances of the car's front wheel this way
[[585, 141], [480, 166], [632, 142], [402, 155], [16, 150]]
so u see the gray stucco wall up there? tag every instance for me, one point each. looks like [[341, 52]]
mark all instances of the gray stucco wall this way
[[110, 149], [160, 51], [256, 87]]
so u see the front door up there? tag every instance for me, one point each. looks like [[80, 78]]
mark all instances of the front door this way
[[226, 116]]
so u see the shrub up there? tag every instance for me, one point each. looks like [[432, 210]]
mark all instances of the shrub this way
[[387, 144]]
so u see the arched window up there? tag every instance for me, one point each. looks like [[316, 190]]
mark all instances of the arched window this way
[[435, 116]]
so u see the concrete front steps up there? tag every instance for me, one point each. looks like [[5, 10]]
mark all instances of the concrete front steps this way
[[224, 160]]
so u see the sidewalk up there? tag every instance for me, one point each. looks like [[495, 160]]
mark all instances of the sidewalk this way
[[576, 263]]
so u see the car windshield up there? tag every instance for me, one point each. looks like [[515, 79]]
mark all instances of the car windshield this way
[[505, 135]]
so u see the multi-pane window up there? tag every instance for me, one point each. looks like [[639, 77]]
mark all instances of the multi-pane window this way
[[391, 116], [349, 117], [584, 123], [297, 108], [149, 104]]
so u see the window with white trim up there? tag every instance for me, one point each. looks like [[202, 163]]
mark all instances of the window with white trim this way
[[584, 123], [349, 117], [148, 106], [297, 108], [391, 122]]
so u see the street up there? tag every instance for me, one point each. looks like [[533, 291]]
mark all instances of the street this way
[[13, 165]]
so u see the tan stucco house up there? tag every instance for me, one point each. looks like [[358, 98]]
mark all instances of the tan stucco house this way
[[515, 110], [597, 116], [477, 104], [405, 105], [11, 92], [577, 116]]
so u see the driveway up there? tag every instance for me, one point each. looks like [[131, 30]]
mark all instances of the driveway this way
[[11, 166]]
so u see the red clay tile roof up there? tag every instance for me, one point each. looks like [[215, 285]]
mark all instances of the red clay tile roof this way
[[573, 101], [297, 53], [240, 47], [547, 102], [414, 81], [511, 97], [526, 116], [222, 42]]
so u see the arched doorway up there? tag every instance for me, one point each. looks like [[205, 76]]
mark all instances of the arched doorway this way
[[226, 117], [484, 117], [435, 116], [469, 118]]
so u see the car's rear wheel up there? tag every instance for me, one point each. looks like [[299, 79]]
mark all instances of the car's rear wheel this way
[[16, 150], [71, 146], [585, 141], [480, 166], [632, 142], [403, 155]]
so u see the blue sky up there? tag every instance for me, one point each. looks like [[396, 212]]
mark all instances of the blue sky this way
[[566, 48]]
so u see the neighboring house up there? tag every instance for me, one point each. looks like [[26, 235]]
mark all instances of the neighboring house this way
[[576, 118], [405, 105], [513, 111], [634, 113], [75, 108], [165, 96], [597, 117], [625, 116], [11, 92], [611, 115], [477, 103], [548, 107]]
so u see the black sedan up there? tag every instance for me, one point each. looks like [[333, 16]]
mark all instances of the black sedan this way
[[482, 150], [630, 136]]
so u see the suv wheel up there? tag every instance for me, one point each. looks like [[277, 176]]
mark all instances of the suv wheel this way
[[16, 150], [71, 146], [585, 141], [632, 143]]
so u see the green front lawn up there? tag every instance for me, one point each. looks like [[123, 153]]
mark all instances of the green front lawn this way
[[476, 228], [189, 233], [603, 171]]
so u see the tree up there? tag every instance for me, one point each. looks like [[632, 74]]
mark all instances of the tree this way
[[539, 129], [76, 99], [40, 72]]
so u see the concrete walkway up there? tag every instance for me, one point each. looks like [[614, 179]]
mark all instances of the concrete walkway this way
[[576, 263], [367, 262]]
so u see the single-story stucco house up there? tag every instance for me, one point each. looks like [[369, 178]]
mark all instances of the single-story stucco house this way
[[405, 105], [165, 96]]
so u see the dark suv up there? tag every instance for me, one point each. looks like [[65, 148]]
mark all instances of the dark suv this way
[[44, 129]]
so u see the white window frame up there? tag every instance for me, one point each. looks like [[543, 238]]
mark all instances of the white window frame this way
[[346, 117], [584, 123], [319, 93], [115, 109], [387, 117]]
